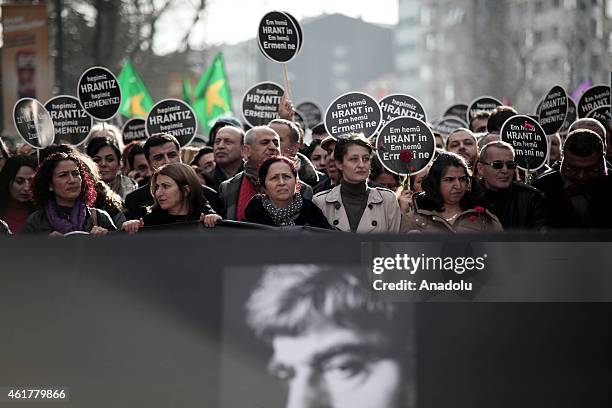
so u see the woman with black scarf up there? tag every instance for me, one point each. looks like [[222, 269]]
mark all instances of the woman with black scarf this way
[[281, 204]]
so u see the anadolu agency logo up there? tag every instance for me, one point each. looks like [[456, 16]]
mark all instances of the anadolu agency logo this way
[[407, 272]]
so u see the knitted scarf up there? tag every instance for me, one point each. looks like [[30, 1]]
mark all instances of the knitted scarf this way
[[283, 216]]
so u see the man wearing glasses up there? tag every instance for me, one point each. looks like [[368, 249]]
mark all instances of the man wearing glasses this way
[[517, 205]]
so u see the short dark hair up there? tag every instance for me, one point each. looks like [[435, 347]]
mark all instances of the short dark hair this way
[[309, 149], [583, 142], [98, 143], [294, 130], [159, 139], [347, 140], [481, 114], [58, 148], [133, 149], [431, 182], [498, 117], [265, 167], [200, 153], [319, 129], [221, 123]]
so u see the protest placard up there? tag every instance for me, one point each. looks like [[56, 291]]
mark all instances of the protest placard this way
[[405, 145], [33, 123], [72, 124], [260, 103], [528, 139], [172, 116], [99, 93], [353, 112]]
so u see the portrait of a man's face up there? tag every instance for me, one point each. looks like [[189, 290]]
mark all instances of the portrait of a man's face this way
[[329, 342], [333, 366]]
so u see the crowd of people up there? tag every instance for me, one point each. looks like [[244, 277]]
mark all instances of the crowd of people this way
[[267, 175]]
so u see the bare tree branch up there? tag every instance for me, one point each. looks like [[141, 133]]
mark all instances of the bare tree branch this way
[[196, 18]]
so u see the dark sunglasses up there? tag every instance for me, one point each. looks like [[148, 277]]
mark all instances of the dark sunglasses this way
[[498, 164]]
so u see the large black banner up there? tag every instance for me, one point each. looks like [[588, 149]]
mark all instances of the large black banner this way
[[215, 318]]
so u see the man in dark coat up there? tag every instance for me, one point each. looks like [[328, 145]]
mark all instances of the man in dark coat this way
[[516, 205], [579, 194]]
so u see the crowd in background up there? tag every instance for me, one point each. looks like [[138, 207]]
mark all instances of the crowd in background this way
[[267, 175]]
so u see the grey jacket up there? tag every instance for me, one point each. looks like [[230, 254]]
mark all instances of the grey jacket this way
[[37, 222], [229, 190], [382, 213]]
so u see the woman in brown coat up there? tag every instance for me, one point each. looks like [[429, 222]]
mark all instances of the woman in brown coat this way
[[446, 203]]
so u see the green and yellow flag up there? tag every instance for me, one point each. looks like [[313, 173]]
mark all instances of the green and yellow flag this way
[[187, 91], [135, 99], [212, 98]]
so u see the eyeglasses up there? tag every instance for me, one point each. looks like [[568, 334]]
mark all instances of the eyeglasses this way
[[498, 164]]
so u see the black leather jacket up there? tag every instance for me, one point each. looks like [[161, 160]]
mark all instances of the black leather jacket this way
[[520, 206]]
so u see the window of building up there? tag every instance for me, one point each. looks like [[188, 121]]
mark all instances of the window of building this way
[[537, 37], [408, 10], [431, 41], [409, 46], [529, 39], [536, 68], [405, 61], [405, 34], [555, 64], [529, 70], [599, 31], [449, 91], [425, 16], [539, 6], [554, 33]]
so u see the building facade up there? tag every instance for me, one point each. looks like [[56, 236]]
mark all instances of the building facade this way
[[516, 50]]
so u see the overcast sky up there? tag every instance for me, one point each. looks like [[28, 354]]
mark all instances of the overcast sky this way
[[232, 21]]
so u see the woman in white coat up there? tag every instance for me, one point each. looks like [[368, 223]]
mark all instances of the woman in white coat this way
[[353, 205]]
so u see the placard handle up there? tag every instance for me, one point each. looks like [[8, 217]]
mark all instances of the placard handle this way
[[286, 80]]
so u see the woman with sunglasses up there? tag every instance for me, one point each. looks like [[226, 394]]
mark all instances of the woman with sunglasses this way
[[516, 205], [446, 203]]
